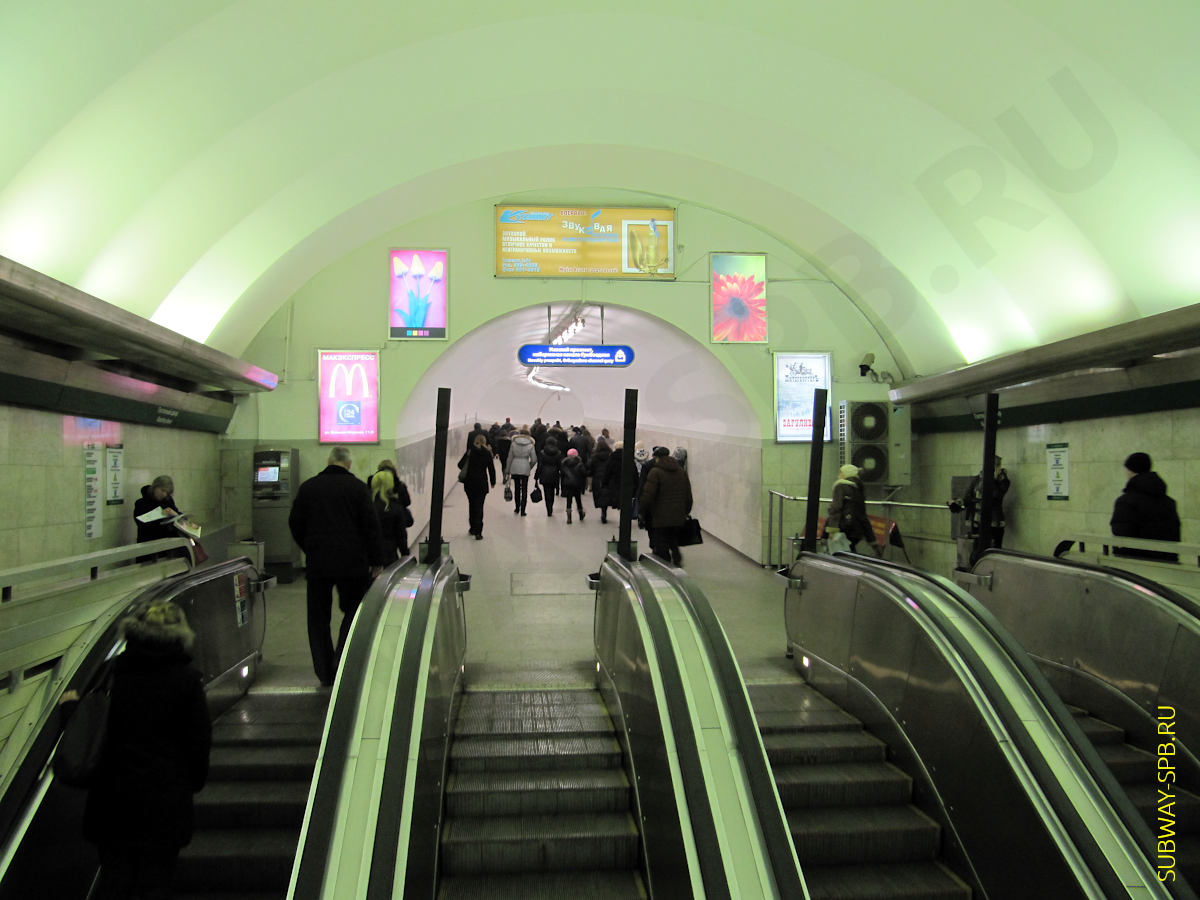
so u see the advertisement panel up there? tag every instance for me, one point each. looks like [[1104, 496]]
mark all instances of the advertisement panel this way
[[348, 386], [797, 376], [585, 242], [417, 308], [739, 298]]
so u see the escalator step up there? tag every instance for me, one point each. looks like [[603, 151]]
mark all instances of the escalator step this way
[[823, 747], [539, 843], [842, 784], [526, 754], [566, 721], [531, 699], [237, 859], [266, 735], [489, 794], [1187, 806], [1127, 763], [549, 886], [863, 834], [796, 705], [261, 763], [251, 804], [896, 881], [1098, 731]]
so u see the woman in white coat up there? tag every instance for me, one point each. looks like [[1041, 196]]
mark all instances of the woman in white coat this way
[[521, 457]]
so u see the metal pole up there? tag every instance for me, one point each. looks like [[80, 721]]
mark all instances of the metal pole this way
[[816, 457], [439, 476], [628, 477], [987, 500]]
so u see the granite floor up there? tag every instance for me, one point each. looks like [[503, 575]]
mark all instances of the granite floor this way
[[529, 602]]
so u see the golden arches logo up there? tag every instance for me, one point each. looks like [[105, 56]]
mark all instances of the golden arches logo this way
[[349, 375]]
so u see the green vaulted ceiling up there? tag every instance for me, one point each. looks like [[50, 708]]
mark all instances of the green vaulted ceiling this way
[[1011, 172]]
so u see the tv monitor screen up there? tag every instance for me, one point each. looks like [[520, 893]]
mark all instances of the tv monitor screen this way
[[267, 475]]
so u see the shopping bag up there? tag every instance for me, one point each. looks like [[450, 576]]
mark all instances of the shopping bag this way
[[508, 493], [689, 533], [536, 495], [81, 746], [838, 542]]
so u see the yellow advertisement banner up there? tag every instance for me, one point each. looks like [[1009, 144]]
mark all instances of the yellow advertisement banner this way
[[585, 242]]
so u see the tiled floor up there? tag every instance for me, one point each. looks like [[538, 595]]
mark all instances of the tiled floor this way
[[529, 601]]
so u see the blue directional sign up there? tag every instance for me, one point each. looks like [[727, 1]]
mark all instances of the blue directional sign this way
[[603, 355]]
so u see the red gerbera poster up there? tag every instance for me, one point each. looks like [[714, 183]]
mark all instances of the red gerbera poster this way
[[739, 298]]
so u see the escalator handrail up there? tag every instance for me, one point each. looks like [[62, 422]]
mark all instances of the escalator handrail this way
[[1184, 603], [322, 813], [404, 719], [1076, 827], [764, 796], [1101, 774], [704, 828]]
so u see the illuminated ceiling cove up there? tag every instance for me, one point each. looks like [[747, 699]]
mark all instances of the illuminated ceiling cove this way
[[1027, 170]]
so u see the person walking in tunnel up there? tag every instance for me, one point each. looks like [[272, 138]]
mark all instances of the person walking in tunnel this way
[[848, 512], [665, 501], [387, 504], [549, 462], [522, 457], [139, 808], [334, 522], [573, 479], [481, 471], [402, 499], [597, 469]]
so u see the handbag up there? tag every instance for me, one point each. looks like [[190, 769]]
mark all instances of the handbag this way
[[508, 494], [839, 543], [462, 473], [689, 533], [81, 747], [536, 495], [406, 517]]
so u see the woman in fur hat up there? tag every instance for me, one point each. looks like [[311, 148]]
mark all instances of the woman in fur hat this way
[[848, 511]]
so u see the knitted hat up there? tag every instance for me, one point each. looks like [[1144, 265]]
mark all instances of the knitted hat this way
[[848, 471], [1138, 462], [572, 452], [159, 622], [661, 451]]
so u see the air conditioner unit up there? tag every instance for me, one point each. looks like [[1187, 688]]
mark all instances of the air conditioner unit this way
[[877, 437]]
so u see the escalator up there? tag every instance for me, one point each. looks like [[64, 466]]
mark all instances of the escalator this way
[[537, 800], [1120, 650], [43, 850], [849, 808]]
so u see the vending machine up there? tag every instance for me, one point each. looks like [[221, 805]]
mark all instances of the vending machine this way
[[276, 478]]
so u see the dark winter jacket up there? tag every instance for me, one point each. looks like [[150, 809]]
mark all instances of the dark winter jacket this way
[[612, 477], [573, 476], [156, 754], [666, 497], [334, 522], [1145, 511], [597, 466], [391, 527], [848, 511], [579, 442], [549, 462], [155, 530], [481, 470]]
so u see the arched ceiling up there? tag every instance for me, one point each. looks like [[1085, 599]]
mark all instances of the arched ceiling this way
[[978, 177]]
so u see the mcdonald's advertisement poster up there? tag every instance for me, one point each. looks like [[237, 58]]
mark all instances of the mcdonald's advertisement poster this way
[[418, 295], [348, 381]]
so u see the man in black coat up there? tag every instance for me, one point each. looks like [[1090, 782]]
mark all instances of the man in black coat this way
[[1143, 510], [334, 522]]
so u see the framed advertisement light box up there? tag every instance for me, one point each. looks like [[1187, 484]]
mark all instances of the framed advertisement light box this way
[[797, 376], [585, 242], [348, 391], [738, 294], [417, 308]]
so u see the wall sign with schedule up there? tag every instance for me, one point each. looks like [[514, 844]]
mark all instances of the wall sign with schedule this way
[[1058, 482]]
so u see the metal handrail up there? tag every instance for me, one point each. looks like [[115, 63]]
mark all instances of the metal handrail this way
[[775, 548]]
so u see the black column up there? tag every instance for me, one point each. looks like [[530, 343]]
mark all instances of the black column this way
[[987, 484], [628, 477], [439, 476], [815, 459]]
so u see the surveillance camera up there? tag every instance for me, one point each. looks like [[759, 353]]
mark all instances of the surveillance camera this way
[[865, 366]]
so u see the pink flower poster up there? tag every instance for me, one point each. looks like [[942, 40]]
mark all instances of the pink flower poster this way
[[739, 298], [417, 295]]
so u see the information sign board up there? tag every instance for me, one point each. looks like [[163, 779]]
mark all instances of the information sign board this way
[[601, 355], [585, 242]]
